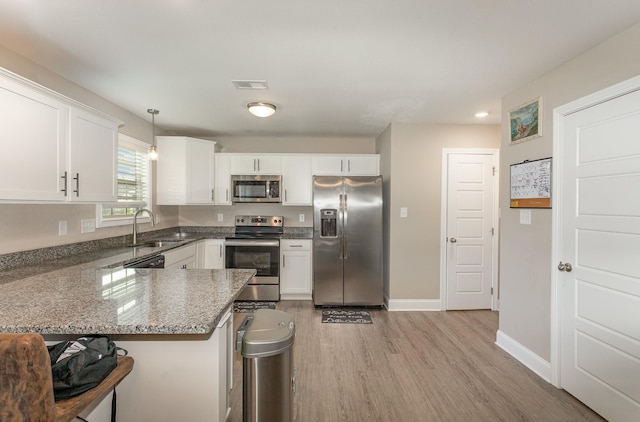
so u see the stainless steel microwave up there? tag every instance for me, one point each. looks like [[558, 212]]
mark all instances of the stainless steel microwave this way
[[256, 188]]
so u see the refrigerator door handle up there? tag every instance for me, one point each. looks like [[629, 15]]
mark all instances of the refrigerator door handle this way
[[345, 238], [340, 229]]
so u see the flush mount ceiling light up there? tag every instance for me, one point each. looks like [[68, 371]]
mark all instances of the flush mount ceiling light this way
[[261, 109], [153, 149], [482, 114]]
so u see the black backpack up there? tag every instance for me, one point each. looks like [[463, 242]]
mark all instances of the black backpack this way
[[80, 365]]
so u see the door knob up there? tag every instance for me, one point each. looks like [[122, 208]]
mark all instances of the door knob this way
[[565, 267], [453, 240]]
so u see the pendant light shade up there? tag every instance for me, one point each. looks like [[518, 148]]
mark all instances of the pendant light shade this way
[[261, 109], [153, 149]]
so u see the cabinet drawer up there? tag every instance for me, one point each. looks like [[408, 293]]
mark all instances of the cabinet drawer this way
[[295, 244]]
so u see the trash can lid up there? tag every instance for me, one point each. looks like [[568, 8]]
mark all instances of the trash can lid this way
[[271, 332]]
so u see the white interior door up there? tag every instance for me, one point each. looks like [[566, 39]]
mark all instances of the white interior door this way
[[599, 237], [470, 210]]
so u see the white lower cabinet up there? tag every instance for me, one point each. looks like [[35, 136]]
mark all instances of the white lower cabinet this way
[[224, 333], [295, 269], [181, 258], [210, 254], [177, 378]]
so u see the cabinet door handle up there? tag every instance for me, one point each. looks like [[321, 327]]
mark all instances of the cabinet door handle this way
[[77, 179], [285, 195], [348, 166], [295, 246], [341, 166], [65, 183], [221, 250], [212, 195], [227, 194], [258, 160]]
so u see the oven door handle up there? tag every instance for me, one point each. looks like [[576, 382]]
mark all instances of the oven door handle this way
[[252, 242]]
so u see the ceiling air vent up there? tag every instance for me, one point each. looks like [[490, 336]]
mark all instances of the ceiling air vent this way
[[250, 84]]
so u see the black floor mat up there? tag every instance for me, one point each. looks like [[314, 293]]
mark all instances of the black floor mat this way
[[346, 317], [249, 306]]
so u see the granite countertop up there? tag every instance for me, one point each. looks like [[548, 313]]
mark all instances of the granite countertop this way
[[83, 289], [87, 300]]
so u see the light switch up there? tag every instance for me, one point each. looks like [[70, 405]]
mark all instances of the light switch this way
[[404, 212], [525, 216], [301, 218], [62, 228], [220, 216]]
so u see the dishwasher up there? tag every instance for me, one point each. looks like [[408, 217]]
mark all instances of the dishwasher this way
[[154, 261]]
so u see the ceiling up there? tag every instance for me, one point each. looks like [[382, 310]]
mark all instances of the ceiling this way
[[336, 67]]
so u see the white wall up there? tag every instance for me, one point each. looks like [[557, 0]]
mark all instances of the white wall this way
[[525, 250], [412, 155]]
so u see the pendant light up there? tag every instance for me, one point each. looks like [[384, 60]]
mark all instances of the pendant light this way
[[153, 149]]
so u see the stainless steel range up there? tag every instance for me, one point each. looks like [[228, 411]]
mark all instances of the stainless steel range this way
[[256, 245]]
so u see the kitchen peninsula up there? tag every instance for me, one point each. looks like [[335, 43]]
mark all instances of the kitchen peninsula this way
[[176, 324]]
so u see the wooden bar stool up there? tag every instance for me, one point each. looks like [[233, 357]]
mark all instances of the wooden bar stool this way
[[26, 386]]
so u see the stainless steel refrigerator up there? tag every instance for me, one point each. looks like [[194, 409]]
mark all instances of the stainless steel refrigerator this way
[[347, 241]]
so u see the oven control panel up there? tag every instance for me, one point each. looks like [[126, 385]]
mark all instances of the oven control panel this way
[[259, 220]]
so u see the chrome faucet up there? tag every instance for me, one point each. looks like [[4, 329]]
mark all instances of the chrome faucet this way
[[135, 223]]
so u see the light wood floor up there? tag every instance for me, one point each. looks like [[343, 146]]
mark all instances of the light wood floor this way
[[412, 366]]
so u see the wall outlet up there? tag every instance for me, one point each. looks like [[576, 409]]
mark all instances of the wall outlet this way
[[62, 228], [301, 218], [88, 226], [404, 212], [220, 216]]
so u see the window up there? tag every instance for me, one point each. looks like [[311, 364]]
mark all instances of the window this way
[[134, 185]]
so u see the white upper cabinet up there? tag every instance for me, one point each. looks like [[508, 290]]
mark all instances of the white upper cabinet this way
[[255, 164], [186, 171], [93, 155], [223, 179], [201, 171], [296, 180], [347, 165], [54, 149]]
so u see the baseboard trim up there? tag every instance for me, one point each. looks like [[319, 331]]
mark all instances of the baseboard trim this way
[[295, 297], [413, 305], [528, 358]]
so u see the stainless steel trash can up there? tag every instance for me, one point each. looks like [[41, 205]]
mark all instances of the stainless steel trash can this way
[[266, 342]]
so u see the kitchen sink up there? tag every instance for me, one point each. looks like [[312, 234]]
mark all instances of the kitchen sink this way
[[157, 243]]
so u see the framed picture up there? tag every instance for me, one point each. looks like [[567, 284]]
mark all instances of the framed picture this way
[[525, 123]]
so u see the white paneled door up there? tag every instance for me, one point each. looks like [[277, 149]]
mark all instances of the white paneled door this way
[[599, 257], [470, 208]]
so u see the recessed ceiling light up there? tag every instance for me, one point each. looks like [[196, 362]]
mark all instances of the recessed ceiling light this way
[[482, 114], [261, 109]]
